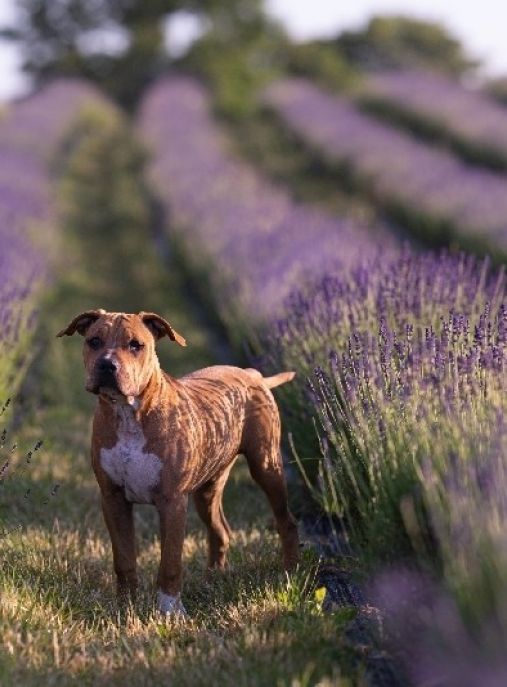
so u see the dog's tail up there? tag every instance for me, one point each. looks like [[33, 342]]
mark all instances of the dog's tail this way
[[275, 380]]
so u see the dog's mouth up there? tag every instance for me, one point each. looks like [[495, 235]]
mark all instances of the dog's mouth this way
[[116, 396], [105, 384], [113, 395], [109, 390]]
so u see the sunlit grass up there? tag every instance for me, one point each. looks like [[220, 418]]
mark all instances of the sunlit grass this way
[[59, 615]]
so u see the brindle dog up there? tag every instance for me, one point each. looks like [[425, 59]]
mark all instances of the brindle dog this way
[[157, 439]]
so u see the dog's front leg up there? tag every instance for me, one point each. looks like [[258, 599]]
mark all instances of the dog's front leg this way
[[120, 523], [173, 514]]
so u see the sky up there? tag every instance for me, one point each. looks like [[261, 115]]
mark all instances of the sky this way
[[479, 25]]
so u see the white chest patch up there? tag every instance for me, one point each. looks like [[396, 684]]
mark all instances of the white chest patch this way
[[127, 464]]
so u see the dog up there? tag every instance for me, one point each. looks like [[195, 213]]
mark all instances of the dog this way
[[157, 439]]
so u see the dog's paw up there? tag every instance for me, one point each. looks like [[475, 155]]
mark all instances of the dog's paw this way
[[170, 606]]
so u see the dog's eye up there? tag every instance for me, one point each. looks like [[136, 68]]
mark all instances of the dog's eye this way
[[94, 343], [135, 345]]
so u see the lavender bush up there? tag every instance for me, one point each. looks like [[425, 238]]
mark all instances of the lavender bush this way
[[29, 132], [259, 242], [409, 341], [468, 116], [422, 181], [407, 367]]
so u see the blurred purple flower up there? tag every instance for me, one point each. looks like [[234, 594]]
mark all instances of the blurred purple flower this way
[[29, 132], [397, 167], [426, 630], [262, 244], [466, 113]]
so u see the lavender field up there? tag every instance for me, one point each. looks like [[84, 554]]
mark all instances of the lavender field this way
[[259, 241], [468, 116], [424, 181], [394, 428]]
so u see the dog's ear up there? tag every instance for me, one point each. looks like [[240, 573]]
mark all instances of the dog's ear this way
[[81, 323], [160, 327]]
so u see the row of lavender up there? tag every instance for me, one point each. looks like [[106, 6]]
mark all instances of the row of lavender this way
[[424, 182], [258, 240], [406, 362], [405, 357], [29, 133], [470, 119]]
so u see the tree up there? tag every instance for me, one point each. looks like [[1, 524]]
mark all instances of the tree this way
[[239, 53], [119, 44], [397, 41], [321, 61]]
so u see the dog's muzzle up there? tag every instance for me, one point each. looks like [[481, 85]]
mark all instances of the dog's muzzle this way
[[105, 377]]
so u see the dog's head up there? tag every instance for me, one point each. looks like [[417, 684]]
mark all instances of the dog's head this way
[[119, 349]]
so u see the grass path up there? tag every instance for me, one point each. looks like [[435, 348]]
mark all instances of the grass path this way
[[59, 622]]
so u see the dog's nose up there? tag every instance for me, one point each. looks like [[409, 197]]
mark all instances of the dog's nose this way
[[107, 365]]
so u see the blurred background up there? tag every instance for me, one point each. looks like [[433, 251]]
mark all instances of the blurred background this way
[[105, 39]]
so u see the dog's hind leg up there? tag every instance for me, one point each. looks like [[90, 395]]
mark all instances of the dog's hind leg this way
[[208, 503], [261, 447], [267, 470]]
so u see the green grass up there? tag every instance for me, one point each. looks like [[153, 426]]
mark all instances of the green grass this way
[[59, 621]]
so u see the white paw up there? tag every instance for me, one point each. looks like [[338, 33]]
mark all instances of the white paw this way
[[170, 605]]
